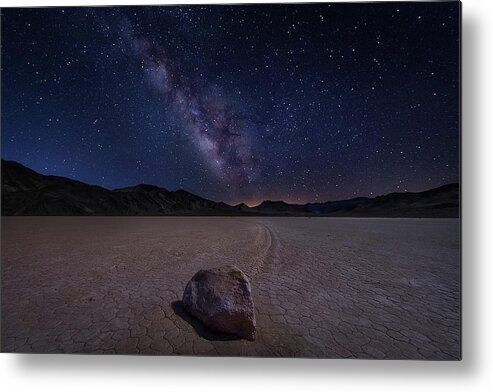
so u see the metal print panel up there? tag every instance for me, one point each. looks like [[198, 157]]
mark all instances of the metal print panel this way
[[269, 180]]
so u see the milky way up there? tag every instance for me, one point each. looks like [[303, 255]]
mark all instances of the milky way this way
[[301, 103], [212, 125]]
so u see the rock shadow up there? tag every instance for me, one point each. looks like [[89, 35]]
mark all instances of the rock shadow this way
[[197, 325]]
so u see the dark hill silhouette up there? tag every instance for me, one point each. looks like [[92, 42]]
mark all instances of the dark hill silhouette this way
[[26, 192]]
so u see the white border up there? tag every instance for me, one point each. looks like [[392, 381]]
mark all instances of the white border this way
[[473, 373]]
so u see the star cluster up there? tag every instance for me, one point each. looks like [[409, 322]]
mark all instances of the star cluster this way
[[237, 103]]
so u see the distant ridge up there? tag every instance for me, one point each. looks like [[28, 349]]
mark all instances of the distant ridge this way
[[26, 192]]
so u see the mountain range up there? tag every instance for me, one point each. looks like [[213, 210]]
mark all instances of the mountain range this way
[[26, 192]]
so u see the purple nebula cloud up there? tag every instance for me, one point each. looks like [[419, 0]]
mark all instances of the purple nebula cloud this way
[[211, 124]]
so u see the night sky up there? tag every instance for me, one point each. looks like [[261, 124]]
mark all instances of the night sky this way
[[241, 103]]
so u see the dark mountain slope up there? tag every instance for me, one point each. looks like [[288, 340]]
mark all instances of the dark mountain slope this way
[[26, 192], [438, 202]]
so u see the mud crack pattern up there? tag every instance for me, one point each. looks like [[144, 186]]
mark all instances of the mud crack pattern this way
[[333, 288]]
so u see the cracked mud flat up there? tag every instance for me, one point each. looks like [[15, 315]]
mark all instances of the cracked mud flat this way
[[323, 287]]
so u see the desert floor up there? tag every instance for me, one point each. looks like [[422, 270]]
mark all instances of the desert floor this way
[[322, 287]]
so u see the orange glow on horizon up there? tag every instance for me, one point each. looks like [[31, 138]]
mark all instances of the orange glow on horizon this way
[[255, 203]]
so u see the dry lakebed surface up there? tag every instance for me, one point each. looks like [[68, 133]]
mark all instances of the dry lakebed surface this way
[[322, 287]]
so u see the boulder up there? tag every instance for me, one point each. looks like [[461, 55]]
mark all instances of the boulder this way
[[221, 299]]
